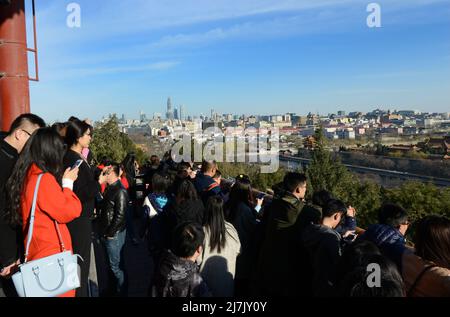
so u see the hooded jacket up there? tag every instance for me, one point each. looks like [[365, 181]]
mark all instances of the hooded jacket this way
[[178, 277]]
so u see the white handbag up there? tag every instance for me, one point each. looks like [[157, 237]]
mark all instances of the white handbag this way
[[50, 276]]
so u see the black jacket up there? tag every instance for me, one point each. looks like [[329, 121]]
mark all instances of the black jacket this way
[[323, 250], [244, 219], [113, 209], [85, 187], [177, 277], [276, 260], [10, 237]]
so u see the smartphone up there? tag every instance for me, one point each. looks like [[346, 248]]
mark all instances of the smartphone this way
[[77, 164], [261, 195]]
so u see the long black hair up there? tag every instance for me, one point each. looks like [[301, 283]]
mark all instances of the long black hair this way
[[185, 191], [215, 223], [241, 192], [432, 240], [129, 168], [75, 130], [46, 149]]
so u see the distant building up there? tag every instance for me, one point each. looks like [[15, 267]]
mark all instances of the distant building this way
[[276, 118], [169, 113], [438, 145], [410, 130], [142, 117], [408, 113], [281, 124], [389, 118], [263, 125], [347, 134], [355, 115], [182, 113], [175, 113], [289, 131], [191, 126], [211, 124], [403, 148], [312, 119], [409, 122], [392, 131], [429, 123], [360, 131], [305, 132], [252, 120]]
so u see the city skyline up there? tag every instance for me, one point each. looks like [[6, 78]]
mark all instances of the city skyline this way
[[262, 56], [208, 113]]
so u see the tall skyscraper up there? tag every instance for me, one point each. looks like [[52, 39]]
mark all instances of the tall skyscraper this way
[[169, 114], [212, 114], [142, 116], [175, 114], [182, 113]]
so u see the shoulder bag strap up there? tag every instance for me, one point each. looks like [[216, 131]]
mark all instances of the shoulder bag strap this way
[[32, 216], [419, 277], [61, 242], [33, 211]]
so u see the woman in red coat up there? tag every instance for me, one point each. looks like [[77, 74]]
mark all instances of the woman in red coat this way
[[43, 154]]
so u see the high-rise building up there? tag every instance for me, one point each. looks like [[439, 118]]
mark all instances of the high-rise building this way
[[175, 113], [142, 116], [182, 113], [169, 114], [123, 120]]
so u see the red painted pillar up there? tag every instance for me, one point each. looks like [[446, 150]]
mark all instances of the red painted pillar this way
[[14, 85]]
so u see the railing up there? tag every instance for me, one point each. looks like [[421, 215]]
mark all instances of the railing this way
[[442, 182]]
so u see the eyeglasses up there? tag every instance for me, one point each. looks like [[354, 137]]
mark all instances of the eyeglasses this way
[[29, 134]]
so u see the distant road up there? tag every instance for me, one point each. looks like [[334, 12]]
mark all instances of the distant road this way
[[441, 182]]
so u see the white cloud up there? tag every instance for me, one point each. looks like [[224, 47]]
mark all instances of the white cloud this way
[[371, 91], [72, 73], [269, 28], [163, 65], [399, 74]]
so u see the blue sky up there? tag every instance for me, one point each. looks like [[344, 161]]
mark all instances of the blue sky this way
[[241, 56]]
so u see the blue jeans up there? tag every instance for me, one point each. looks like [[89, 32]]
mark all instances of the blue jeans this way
[[114, 250]]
